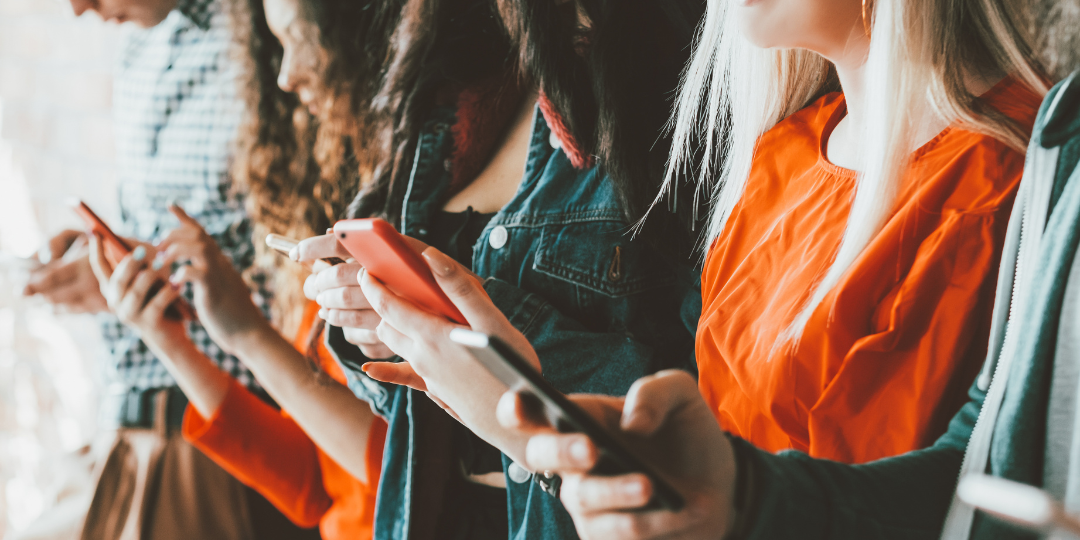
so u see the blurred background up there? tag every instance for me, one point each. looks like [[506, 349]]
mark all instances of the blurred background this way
[[55, 143]]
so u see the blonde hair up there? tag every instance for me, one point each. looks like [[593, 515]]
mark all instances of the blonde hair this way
[[920, 57]]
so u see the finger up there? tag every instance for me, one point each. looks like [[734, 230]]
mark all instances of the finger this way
[[310, 290], [377, 352], [365, 319], [198, 253], [341, 275], [400, 373], [135, 297], [59, 244], [188, 274], [515, 411], [400, 313], [361, 337], [590, 494], [125, 273], [570, 452], [183, 233], [98, 263], [343, 298], [655, 398], [67, 295], [52, 277], [156, 307], [395, 340], [463, 290], [634, 525], [184, 218], [319, 247]]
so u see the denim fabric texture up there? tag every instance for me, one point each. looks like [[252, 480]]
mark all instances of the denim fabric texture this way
[[600, 310]]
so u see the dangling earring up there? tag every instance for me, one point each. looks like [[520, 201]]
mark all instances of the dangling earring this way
[[866, 18]]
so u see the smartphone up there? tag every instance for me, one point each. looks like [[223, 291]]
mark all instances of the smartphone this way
[[116, 248], [384, 253], [615, 456], [284, 245], [1016, 503]]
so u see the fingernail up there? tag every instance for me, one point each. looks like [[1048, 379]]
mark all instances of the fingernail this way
[[364, 367], [294, 254], [159, 261], [324, 313], [330, 230], [139, 253], [44, 255], [438, 261], [174, 280], [633, 489], [174, 286], [580, 451]]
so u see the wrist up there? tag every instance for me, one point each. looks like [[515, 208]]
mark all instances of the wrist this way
[[250, 337]]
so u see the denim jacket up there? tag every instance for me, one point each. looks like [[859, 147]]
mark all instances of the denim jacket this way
[[601, 312]]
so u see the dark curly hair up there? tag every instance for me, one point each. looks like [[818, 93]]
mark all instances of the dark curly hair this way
[[297, 171]]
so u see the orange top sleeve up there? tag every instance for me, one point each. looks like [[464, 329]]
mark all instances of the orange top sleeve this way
[[268, 451], [886, 359]]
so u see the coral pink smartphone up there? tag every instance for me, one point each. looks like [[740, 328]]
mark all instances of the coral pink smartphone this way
[[386, 255], [117, 248]]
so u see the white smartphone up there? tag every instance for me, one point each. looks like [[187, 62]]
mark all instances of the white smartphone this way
[[1016, 503]]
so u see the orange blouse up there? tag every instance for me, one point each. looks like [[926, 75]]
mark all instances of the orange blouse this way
[[886, 359], [268, 451]]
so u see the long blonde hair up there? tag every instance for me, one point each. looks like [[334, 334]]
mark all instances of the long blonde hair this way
[[920, 57]]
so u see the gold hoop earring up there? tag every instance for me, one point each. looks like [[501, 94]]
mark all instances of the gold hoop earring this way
[[866, 19]]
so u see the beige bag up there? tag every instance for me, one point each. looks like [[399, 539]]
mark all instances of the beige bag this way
[[155, 486]]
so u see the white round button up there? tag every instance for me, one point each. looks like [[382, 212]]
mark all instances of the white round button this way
[[498, 237], [517, 473], [554, 141]]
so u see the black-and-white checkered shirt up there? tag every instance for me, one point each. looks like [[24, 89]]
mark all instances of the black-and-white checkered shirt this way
[[176, 113]]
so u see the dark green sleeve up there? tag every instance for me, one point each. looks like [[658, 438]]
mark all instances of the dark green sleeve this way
[[903, 497]]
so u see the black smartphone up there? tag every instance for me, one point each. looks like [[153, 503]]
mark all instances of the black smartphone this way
[[615, 457]]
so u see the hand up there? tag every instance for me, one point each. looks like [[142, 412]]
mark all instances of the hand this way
[[137, 295], [67, 280], [673, 427], [434, 363], [337, 291], [222, 298]]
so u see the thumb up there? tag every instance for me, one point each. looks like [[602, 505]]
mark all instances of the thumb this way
[[464, 290], [59, 244], [98, 263]]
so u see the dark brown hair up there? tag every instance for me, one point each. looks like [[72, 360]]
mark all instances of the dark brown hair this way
[[299, 172], [439, 48], [612, 83]]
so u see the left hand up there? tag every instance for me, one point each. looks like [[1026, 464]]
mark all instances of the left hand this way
[[435, 364]]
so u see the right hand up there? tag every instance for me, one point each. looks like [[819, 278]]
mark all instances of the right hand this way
[[337, 291], [68, 282], [666, 415]]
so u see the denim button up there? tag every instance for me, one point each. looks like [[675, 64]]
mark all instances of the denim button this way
[[554, 141], [517, 473], [498, 237]]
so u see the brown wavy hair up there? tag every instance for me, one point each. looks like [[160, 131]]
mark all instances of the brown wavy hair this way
[[299, 171]]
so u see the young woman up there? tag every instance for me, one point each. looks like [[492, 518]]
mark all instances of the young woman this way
[[309, 79], [854, 236], [584, 123]]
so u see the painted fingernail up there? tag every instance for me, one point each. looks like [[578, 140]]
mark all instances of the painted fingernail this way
[[294, 254], [174, 280], [324, 313], [139, 253], [580, 451], [439, 262], [159, 261]]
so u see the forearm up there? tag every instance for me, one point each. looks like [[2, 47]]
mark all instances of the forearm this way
[[904, 497], [204, 384], [327, 411]]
